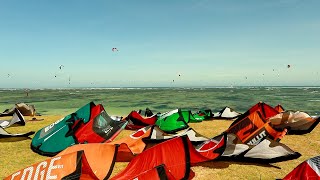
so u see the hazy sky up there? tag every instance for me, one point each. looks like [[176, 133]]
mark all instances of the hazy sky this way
[[206, 42]]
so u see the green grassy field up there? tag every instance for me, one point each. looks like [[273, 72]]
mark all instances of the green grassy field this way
[[18, 155]]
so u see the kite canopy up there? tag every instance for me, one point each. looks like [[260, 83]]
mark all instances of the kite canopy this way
[[173, 121], [279, 108], [254, 128], [309, 169], [88, 124], [146, 113], [96, 161], [157, 135], [226, 113], [100, 128], [189, 116], [100, 156], [213, 148], [25, 109], [265, 110], [203, 114], [159, 172], [267, 151], [133, 144], [54, 138], [161, 155], [296, 122], [124, 149], [17, 118], [67, 166], [136, 121]]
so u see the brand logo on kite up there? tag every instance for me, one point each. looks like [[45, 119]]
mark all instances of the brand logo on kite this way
[[258, 138], [51, 125], [108, 129], [41, 171]]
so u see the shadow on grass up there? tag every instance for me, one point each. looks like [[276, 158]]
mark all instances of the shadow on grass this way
[[226, 164], [14, 139]]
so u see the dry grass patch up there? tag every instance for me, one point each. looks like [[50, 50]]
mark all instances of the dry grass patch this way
[[18, 155]]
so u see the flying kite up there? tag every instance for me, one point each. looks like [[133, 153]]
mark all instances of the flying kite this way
[[289, 66], [60, 67], [114, 49]]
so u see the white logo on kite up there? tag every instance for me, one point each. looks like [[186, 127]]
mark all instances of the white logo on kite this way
[[40, 170], [51, 125], [108, 129], [257, 139]]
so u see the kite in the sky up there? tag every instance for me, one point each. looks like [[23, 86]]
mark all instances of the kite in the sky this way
[[178, 75], [114, 49], [289, 66], [60, 67]]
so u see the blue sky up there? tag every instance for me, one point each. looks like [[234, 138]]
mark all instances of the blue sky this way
[[206, 42]]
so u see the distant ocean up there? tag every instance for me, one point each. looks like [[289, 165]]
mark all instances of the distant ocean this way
[[121, 101]]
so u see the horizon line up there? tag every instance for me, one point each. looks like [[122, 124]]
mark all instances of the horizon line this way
[[160, 87]]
